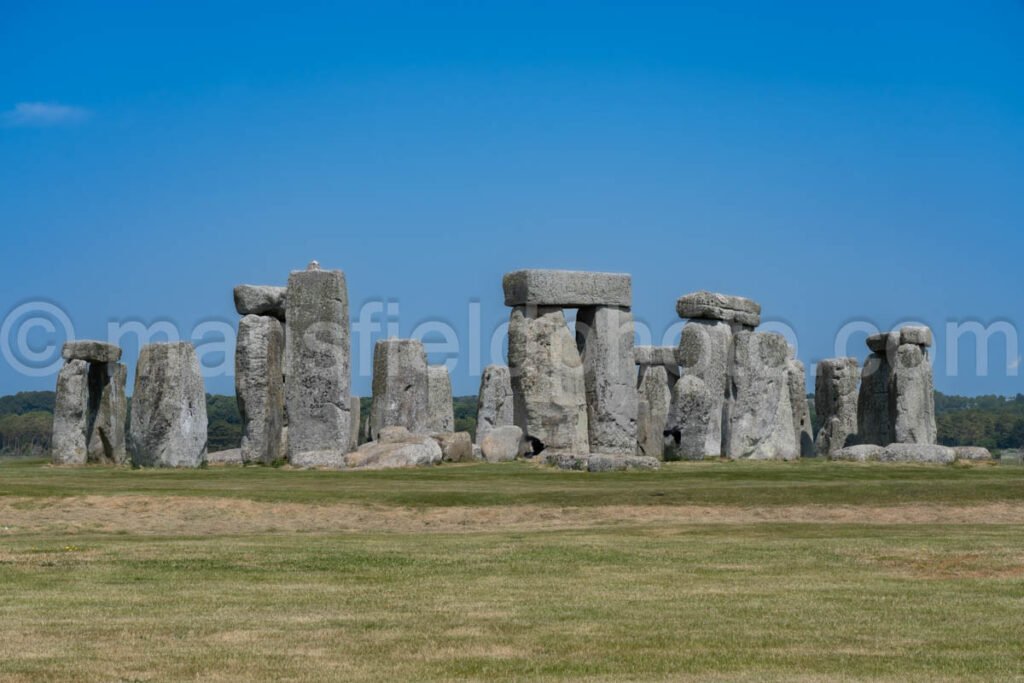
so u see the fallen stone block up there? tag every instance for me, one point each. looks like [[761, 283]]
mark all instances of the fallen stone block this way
[[972, 453], [502, 444], [455, 446]]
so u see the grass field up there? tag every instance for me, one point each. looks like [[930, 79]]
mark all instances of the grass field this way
[[702, 571]]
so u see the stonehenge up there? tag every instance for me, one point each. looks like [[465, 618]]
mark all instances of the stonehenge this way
[[584, 398], [168, 426], [91, 408], [317, 367]]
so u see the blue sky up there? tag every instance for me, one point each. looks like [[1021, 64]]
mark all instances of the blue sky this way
[[838, 162]]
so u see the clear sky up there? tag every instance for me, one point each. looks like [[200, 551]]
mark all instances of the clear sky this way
[[838, 162]]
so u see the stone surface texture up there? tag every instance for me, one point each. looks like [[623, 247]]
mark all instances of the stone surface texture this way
[[261, 300], [400, 387], [397, 447], [835, 400], [874, 424], [797, 381], [706, 352], [502, 444], [259, 387], [91, 351], [107, 414], [548, 387], [317, 364], [603, 462], [713, 306], [604, 337], [652, 421], [691, 421], [168, 424], [494, 401], [761, 418], [70, 413], [455, 446], [912, 397], [440, 409], [567, 288]]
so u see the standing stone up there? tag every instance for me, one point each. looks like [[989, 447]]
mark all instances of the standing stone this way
[[797, 381], [70, 413], [168, 408], [400, 386], [691, 420], [317, 390], [494, 401], [259, 387], [548, 387], [912, 396], [108, 412], [761, 419], [705, 352], [355, 412], [874, 424], [440, 408], [604, 337], [656, 397], [835, 400]]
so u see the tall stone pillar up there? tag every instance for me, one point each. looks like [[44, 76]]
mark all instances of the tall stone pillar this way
[[317, 368], [70, 413], [835, 401], [912, 389], [705, 353], [604, 337], [108, 412], [91, 408], [168, 408], [761, 419], [400, 387], [494, 401], [656, 395], [797, 381], [440, 409], [259, 387], [874, 423]]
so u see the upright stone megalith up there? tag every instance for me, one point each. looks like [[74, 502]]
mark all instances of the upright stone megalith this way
[[761, 418], [874, 423], [70, 414], [440, 409], [797, 381], [548, 385], [259, 387], [705, 352], [169, 424], [317, 366], [91, 408], [494, 401], [912, 389], [604, 337], [656, 395], [835, 401], [400, 387], [690, 422]]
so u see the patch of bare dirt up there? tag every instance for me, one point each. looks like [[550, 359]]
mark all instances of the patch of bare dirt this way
[[175, 515]]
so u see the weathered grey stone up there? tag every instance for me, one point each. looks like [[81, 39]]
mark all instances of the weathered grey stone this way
[[567, 288], [912, 397], [91, 351], [656, 355], [859, 453], [604, 337], [355, 414], [231, 456], [455, 446], [261, 300], [317, 389], [168, 426], [494, 402], [705, 352], [397, 447], [918, 452], [107, 414], [713, 306], [259, 387], [691, 421], [548, 388], [797, 382], [761, 419], [322, 459], [652, 419], [502, 444], [603, 462], [440, 408], [835, 401], [916, 334], [972, 453], [400, 386], [70, 414], [873, 413], [883, 342]]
